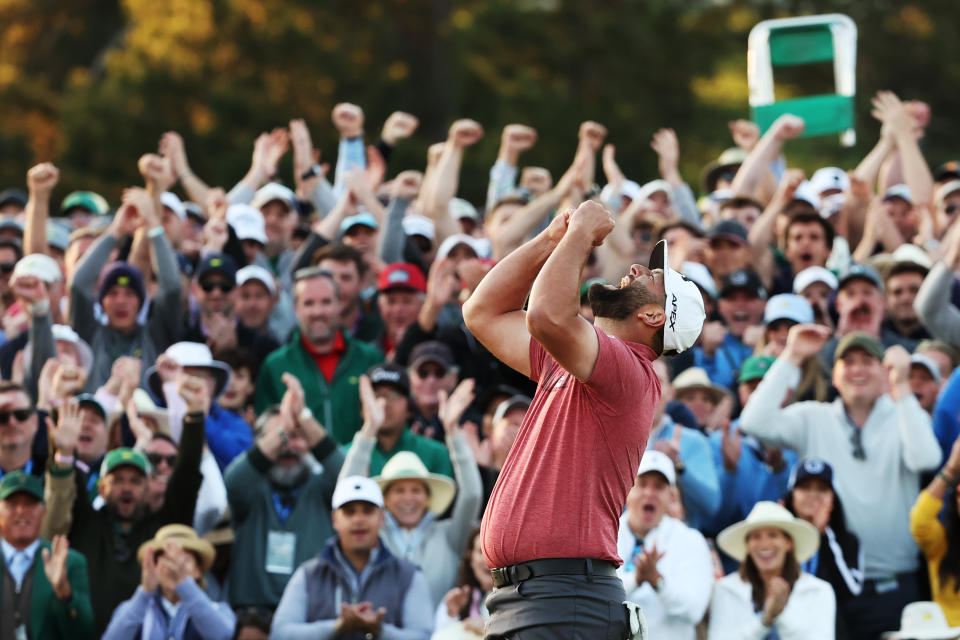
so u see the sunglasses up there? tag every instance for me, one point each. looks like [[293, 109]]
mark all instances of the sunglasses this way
[[7, 267], [224, 286], [156, 458], [19, 414], [436, 372], [856, 440]]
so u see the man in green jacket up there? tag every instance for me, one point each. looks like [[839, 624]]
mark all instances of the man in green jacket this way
[[44, 593], [327, 362]]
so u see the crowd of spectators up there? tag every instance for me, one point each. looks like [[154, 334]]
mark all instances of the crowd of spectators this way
[[259, 413]]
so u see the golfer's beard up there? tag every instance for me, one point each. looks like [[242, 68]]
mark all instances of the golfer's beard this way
[[619, 303], [288, 477]]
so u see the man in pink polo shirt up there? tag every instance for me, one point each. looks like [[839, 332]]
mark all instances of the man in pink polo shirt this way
[[550, 529]]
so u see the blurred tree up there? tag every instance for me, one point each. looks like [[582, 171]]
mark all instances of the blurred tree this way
[[92, 85]]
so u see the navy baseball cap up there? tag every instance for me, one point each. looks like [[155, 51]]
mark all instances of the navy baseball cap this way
[[217, 263], [810, 468]]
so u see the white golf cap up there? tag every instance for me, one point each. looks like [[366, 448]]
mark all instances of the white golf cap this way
[[901, 191], [631, 189], [39, 265], [927, 363], [814, 274], [660, 462], [684, 305], [788, 306], [655, 186], [417, 225], [271, 192], [508, 405], [701, 277], [950, 187], [247, 223], [450, 242], [357, 489], [829, 178], [909, 252], [172, 202], [806, 193], [460, 209], [254, 272]]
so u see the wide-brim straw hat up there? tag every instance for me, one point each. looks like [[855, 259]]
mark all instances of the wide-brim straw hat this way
[[191, 354], [697, 378], [806, 538], [187, 538], [406, 465]]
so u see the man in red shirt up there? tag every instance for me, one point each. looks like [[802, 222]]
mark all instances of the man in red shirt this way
[[550, 529]]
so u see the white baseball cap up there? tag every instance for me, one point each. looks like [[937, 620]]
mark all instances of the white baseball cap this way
[[247, 222], [655, 186], [950, 187], [901, 191], [829, 178], [460, 209], [357, 489], [927, 363], [450, 242], [417, 225], [271, 192], [254, 272], [814, 274], [701, 277], [684, 305], [660, 462], [172, 202], [39, 265], [806, 193], [788, 306]]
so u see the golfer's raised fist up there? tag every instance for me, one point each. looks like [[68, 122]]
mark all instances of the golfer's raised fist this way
[[593, 219]]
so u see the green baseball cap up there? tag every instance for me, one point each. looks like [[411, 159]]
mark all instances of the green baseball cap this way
[[859, 340], [755, 367], [89, 200], [17, 481], [123, 456], [88, 400]]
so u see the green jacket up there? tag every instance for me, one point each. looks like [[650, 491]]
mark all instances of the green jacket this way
[[335, 405], [51, 618], [434, 455]]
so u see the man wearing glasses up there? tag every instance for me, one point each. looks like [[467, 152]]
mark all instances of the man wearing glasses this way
[[18, 427], [213, 321], [876, 437]]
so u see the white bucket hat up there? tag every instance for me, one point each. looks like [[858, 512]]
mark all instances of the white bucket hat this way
[[406, 465], [191, 354], [684, 305], [145, 407], [923, 621], [65, 333], [806, 539]]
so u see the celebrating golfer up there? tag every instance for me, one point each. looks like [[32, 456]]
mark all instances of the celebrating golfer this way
[[550, 529]]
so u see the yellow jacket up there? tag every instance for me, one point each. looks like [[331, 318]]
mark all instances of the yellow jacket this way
[[932, 539]]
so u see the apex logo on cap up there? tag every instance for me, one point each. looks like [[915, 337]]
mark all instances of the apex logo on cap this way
[[673, 312]]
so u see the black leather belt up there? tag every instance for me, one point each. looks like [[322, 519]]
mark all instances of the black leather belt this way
[[517, 573]]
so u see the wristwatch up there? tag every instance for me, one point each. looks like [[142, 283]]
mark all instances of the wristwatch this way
[[305, 415]]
